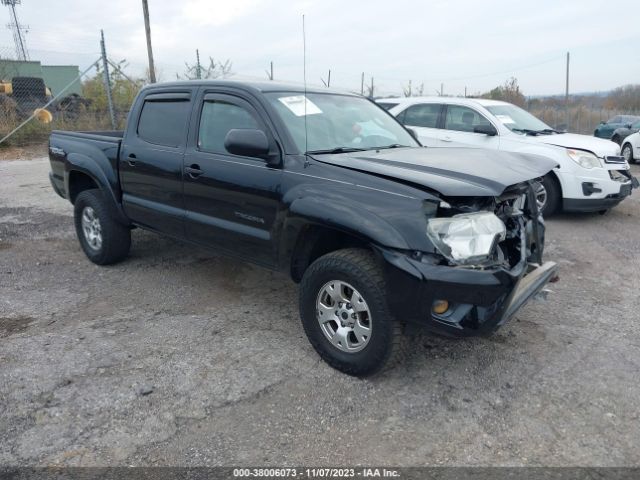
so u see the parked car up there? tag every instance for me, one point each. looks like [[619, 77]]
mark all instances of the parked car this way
[[326, 187], [619, 134], [631, 148], [606, 129], [592, 176]]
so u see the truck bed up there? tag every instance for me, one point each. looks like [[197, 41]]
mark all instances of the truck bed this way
[[103, 135], [99, 147]]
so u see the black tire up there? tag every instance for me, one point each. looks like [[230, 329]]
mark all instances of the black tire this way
[[115, 237], [357, 267], [554, 195], [630, 148]]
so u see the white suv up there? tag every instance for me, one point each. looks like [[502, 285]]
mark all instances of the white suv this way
[[592, 176]]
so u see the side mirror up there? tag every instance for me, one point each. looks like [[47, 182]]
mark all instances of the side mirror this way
[[247, 142], [602, 122], [488, 130], [628, 125]]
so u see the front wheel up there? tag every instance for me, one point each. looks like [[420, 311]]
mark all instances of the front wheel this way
[[627, 153], [103, 239], [548, 195], [344, 312]]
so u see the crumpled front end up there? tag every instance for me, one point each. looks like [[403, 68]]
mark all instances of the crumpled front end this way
[[462, 300]]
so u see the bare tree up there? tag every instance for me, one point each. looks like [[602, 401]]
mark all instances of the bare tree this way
[[212, 71]]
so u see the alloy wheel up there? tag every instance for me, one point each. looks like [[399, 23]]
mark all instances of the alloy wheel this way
[[344, 316]]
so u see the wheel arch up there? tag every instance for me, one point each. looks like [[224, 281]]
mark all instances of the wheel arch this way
[[315, 240], [81, 173]]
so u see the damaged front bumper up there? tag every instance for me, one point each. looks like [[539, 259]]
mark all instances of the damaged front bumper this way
[[479, 301]]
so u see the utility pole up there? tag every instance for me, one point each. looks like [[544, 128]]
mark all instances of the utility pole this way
[[362, 84], [566, 95], [107, 80], [198, 66], [147, 28], [270, 71], [328, 82], [442, 89], [372, 95], [465, 92]]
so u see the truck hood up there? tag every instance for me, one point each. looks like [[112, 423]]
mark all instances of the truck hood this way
[[459, 172], [596, 145]]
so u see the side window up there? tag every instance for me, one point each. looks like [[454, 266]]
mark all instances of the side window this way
[[217, 118], [162, 122], [425, 115], [463, 119]]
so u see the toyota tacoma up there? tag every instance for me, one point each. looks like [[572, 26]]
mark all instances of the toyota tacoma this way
[[381, 233]]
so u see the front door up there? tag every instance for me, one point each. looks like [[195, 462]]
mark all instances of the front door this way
[[231, 201], [459, 123]]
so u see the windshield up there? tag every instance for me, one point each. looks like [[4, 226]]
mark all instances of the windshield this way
[[338, 123], [517, 119]]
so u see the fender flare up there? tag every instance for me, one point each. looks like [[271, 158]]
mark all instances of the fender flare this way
[[77, 162]]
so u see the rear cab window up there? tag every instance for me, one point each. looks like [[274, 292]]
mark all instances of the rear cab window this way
[[163, 119]]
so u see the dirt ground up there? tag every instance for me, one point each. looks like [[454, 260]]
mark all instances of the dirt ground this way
[[179, 357]]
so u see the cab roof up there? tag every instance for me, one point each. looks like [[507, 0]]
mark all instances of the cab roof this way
[[255, 86]]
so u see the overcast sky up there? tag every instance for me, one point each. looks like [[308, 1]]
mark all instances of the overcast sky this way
[[477, 44]]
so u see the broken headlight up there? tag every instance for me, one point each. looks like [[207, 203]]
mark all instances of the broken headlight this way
[[468, 238]]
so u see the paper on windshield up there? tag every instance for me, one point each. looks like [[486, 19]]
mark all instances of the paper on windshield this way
[[505, 118], [297, 105]]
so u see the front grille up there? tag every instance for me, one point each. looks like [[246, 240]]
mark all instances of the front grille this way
[[614, 159]]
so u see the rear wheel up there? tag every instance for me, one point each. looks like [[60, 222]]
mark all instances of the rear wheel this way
[[627, 153], [103, 239], [344, 312], [548, 195]]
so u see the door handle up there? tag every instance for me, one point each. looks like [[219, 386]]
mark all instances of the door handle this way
[[132, 159], [193, 171]]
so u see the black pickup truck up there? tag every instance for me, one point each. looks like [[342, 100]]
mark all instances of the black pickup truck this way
[[381, 233]]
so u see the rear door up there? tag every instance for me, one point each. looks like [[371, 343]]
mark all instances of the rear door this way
[[150, 163], [459, 123], [424, 119], [231, 201]]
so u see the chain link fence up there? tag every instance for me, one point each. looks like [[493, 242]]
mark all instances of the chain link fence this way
[[36, 98], [93, 92]]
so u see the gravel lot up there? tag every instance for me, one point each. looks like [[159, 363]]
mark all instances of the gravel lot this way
[[179, 357]]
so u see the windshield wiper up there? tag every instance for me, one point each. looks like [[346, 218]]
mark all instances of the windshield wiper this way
[[393, 145], [336, 150], [551, 130], [544, 131], [527, 131]]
